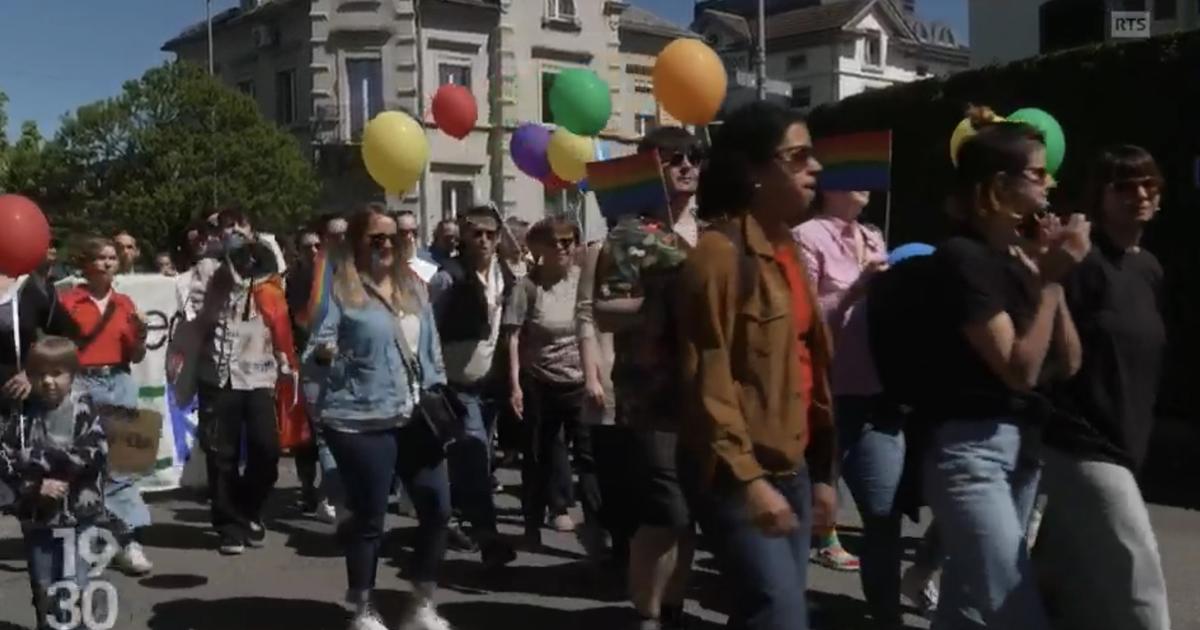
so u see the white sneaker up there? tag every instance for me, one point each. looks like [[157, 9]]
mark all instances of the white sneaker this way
[[326, 512], [132, 560], [920, 587], [425, 617], [367, 620]]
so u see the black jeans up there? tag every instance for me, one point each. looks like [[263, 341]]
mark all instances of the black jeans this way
[[306, 469], [226, 415], [611, 446], [552, 420], [368, 462]]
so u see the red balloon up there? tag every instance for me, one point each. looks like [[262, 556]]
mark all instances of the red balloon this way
[[554, 183], [25, 237], [455, 111]]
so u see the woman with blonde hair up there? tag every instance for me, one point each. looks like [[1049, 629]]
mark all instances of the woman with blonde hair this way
[[379, 345]]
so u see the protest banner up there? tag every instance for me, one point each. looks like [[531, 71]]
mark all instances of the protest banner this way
[[155, 299]]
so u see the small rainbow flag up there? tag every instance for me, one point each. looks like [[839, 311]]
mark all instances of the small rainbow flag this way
[[631, 185], [321, 291], [856, 161]]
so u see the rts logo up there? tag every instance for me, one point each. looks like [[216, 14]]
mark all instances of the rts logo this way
[[1130, 24]]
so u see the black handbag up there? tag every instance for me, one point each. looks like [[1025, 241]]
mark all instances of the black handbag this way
[[436, 406]]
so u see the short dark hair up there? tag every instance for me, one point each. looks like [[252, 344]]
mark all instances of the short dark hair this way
[[320, 224], [1115, 163], [543, 231], [232, 215], [997, 147], [747, 139], [52, 353], [668, 140]]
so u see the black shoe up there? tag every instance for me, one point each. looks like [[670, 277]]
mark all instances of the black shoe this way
[[458, 540], [497, 554], [231, 545], [673, 618], [257, 536]]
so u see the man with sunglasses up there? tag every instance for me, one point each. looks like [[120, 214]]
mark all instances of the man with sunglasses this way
[[469, 294], [407, 229], [644, 368]]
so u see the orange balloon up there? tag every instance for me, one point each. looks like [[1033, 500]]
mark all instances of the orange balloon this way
[[690, 81]]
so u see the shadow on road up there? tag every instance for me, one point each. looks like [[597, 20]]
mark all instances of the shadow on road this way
[[496, 615], [177, 536], [174, 581], [12, 556], [580, 580], [247, 613]]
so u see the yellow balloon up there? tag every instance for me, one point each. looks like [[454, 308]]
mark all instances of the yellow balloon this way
[[395, 151], [962, 132], [569, 154], [690, 81]]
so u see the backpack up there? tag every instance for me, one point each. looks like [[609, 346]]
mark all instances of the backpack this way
[[901, 320]]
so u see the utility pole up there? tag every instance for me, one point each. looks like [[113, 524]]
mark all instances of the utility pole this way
[[762, 50], [208, 22]]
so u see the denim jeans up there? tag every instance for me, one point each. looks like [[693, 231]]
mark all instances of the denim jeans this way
[[470, 459], [871, 437], [330, 486], [981, 481], [368, 463], [122, 498], [47, 566], [767, 576], [1096, 550]]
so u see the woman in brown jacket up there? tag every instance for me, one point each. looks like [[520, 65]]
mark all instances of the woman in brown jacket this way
[[757, 436]]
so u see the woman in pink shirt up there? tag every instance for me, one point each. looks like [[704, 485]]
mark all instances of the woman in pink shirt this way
[[842, 255]]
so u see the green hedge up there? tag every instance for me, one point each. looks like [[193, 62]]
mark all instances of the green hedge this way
[[1144, 92]]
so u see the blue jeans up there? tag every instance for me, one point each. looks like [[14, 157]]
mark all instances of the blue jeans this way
[[47, 564], [981, 481], [471, 461], [310, 387], [368, 463], [767, 576], [871, 437], [122, 498]]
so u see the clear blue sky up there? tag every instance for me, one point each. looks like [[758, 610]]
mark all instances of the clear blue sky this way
[[56, 55]]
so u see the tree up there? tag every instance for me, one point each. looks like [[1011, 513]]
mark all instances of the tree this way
[[171, 146]]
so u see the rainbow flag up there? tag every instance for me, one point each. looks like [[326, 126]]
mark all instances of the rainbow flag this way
[[631, 185], [856, 161], [321, 292]]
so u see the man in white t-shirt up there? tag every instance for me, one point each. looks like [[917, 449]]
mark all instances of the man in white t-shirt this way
[[406, 224]]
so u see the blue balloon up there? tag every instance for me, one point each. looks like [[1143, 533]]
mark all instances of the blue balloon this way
[[909, 250], [583, 187]]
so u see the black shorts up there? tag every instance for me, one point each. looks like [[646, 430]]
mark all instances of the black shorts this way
[[661, 499]]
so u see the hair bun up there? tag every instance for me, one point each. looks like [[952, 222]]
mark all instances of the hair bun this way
[[980, 115]]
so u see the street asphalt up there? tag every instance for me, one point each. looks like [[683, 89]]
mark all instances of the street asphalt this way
[[297, 580]]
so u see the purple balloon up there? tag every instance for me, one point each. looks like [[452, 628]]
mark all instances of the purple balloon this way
[[528, 149]]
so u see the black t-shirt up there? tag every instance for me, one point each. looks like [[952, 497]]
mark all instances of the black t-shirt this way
[[972, 284], [1107, 408]]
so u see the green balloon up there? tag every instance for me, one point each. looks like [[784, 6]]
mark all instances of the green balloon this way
[[581, 102], [1056, 141]]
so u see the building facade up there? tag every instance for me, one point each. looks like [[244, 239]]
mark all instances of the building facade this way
[[827, 52], [1009, 30], [322, 69]]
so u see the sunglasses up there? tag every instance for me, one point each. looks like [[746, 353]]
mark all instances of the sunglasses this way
[[311, 245], [380, 240], [796, 157], [694, 156], [412, 232], [565, 243], [1037, 174], [1131, 186]]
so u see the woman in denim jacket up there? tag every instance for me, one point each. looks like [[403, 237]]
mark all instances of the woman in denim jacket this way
[[366, 404]]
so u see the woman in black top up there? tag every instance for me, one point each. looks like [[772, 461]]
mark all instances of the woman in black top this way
[[1002, 311], [1096, 546]]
